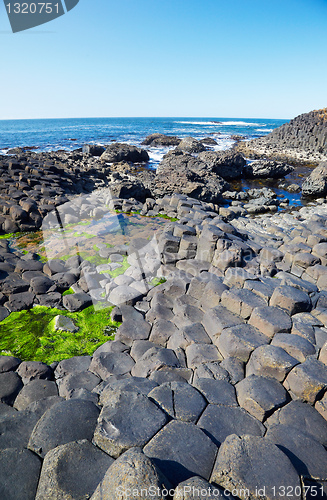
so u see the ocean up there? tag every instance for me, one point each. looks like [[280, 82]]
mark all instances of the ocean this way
[[73, 133]]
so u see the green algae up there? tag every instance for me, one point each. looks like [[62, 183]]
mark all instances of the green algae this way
[[30, 335]]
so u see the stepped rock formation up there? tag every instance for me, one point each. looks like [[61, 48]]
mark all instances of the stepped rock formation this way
[[302, 139]]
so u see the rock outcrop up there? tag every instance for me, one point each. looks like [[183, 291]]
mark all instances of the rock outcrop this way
[[161, 140], [316, 183], [303, 139]]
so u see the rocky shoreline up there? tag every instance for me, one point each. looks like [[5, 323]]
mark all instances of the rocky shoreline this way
[[217, 378]]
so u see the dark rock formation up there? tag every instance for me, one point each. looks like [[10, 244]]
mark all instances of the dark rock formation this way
[[227, 164], [316, 183], [267, 168], [161, 140], [124, 152], [190, 145]]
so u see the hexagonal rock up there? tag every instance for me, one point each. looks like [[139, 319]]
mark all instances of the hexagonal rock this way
[[303, 417], [320, 250], [198, 488], [129, 419], [291, 299], [179, 462], [64, 422], [307, 380], [111, 363], [161, 332], [305, 260], [270, 320], [82, 380], [218, 318], [235, 368], [10, 385], [187, 335], [124, 294], [132, 471], [33, 391], [296, 346], [137, 330], [241, 302], [179, 400], [253, 466], [218, 392], [155, 359], [133, 384], [19, 474], [270, 361], [72, 365], [72, 470], [196, 354], [260, 396], [308, 456], [240, 340], [321, 407], [212, 371], [220, 421]]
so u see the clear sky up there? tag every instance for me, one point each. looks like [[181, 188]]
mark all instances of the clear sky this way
[[205, 58]]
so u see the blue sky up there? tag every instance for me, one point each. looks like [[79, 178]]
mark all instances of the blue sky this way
[[209, 58]]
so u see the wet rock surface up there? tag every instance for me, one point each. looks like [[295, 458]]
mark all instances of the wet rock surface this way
[[218, 373]]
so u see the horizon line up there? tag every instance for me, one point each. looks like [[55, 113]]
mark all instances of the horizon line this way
[[144, 117]]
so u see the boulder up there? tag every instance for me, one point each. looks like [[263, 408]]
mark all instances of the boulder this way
[[179, 462], [124, 152], [129, 419], [253, 467], [154, 140], [266, 168], [227, 164], [72, 470], [316, 183], [132, 472], [19, 474], [190, 145]]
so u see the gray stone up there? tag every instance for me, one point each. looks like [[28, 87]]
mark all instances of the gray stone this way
[[218, 422], [9, 363], [154, 359], [241, 302], [308, 380], [81, 380], [303, 417], [112, 363], [270, 320], [270, 361], [77, 301], [64, 422], [235, 368], [32, 370], [33, 391], [19, 474], [20, 301], [250, 464], [4, 313], [212, 370], [171, 374], [72, 470], [133, 384], [187, 335], [132, 471], [180, 400], [218, 392], [291, 299], [76, 364], [197, 488], [124, 294], [197, 354], [296, 346], [6, 410], [218, 318], [161, 332], [10, 385], [308, 456], [128, 332], [139, 347], [129, 419], [179, 462], [65, 324], [240, 340], [260, 396]]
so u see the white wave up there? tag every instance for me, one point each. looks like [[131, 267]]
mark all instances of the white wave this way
[[264, 129], [200, 123], [243, 124]]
